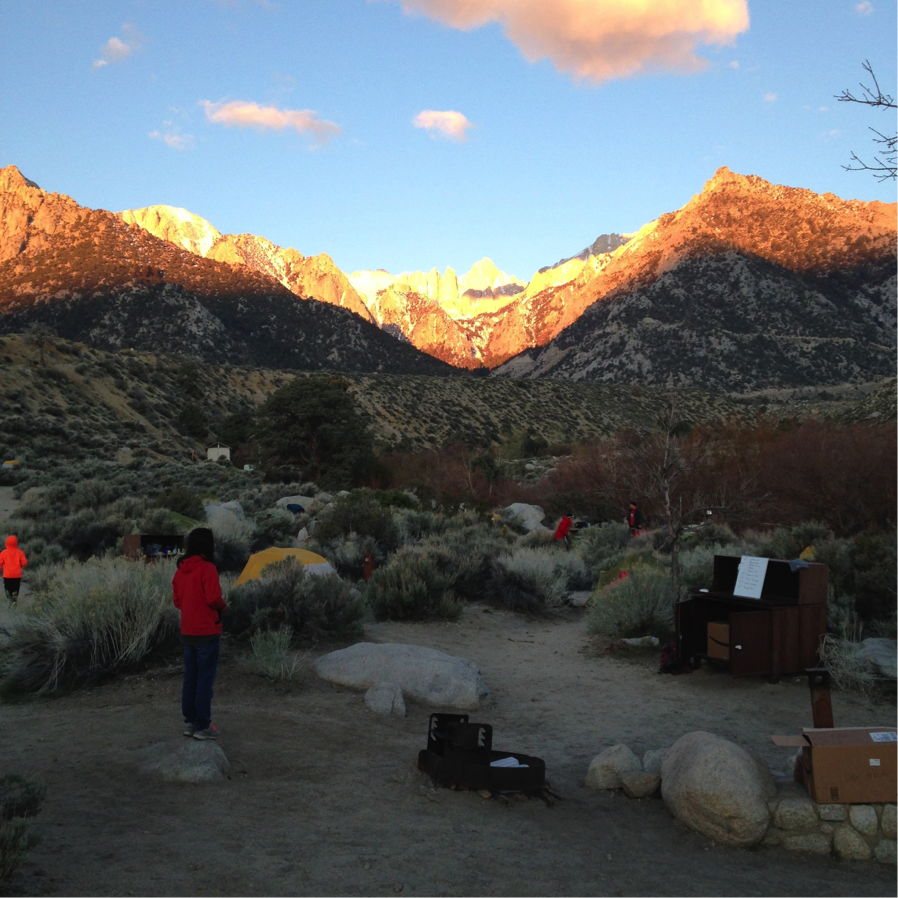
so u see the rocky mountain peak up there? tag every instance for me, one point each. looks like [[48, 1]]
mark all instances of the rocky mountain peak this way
[[177, 225], [11, 179]]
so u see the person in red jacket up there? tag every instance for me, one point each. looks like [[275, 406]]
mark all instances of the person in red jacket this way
[[12, 560], [197, 594], [564, 526]]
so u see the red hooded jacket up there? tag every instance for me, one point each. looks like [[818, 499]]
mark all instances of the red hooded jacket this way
[[12, 559], [197, 593]]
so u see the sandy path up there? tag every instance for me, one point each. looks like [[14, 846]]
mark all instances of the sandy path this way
[[324, 797]]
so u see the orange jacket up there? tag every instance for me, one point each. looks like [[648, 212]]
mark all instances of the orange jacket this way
[[12, 559]]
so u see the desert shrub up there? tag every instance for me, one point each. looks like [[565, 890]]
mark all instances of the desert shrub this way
[[16, 840], [357, 514], [849, 669], [716, 535], [873, 563], [417, 525], [697, 567], [598, 545], [349, 558], [788, 543], [528, 581], [412, 587], [183, 501], [232, 542], [313, 606], [271, 654], [535, 539], [92, 494], [640, 605], [88, 621], [275, 528], [19, 797]]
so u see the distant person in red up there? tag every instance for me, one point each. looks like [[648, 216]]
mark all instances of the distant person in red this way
[[12, 560], [197, 594], [563, 527], [634, 518]]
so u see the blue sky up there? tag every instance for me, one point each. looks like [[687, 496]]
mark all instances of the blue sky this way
[[411, 134]]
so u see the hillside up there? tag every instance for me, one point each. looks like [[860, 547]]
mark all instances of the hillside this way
[[93, 278], [82, 402]]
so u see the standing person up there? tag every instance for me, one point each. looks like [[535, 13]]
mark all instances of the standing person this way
[[197, 594], [563, 527], [12, 560], [634, 518]]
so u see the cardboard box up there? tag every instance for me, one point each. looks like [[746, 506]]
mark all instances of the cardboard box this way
[[719, 640], [847, 766]]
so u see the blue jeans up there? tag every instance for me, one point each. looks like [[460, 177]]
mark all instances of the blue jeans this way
[[200, 666]]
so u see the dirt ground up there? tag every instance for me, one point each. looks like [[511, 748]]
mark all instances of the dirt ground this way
[[324, 797]]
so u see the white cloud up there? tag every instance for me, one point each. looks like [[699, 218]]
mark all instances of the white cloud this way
[[864, 9], [594, 40], [174, 139], [770, 97], [243, 114], [734, 64], [117, 50], [447, 123]]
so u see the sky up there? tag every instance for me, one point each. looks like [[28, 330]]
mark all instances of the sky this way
[[412, 134]]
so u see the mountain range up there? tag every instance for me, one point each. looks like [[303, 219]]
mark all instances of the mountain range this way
[[750, 285]]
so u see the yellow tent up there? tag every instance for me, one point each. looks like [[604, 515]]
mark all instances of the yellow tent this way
[[316, 564]]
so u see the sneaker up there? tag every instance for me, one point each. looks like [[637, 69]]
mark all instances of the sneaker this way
[[189, 729], [210, 732]]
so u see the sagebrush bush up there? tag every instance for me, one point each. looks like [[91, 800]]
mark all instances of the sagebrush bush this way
[[275, 527], [16, 840], [271, 654], [849, 669], [87, 621], [528, 580], [412, 587], [639, 605], [313, 606], [357, 514], [20, 797]]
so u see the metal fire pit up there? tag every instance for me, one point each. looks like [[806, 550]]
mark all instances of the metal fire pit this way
[[459, 753]]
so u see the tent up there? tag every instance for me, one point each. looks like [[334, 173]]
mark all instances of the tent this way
[[314, 564]]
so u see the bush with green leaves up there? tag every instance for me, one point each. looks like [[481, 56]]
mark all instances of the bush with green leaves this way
[[88, 621], [639, 605], [528, 580], [360, 514], [601, 547], [412, 587], [313, 606], [275, 527]]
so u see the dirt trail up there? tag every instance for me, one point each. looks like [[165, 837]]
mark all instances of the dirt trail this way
[[325, 799]]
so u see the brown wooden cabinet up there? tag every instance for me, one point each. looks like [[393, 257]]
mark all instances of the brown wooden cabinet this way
[[780, 633]]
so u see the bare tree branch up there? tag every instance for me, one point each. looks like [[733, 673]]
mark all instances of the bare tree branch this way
[[885, 163]]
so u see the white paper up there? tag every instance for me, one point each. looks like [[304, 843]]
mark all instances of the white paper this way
[[508, 762], [750, 581], [884, 737]]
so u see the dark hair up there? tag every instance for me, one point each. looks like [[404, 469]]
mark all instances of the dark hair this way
[[199, 542], [634, 502]]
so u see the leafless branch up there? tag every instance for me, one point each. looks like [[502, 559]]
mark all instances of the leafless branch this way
[[885, 164]]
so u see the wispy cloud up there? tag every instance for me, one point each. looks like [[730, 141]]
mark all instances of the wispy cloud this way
[[243, 114], [447, 123], [595, 40], [734, 64], [173, 138], [864, 9], [770, 97], [119, 49]]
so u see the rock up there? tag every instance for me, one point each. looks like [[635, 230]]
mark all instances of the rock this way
[[883, 654], [795, 811], [835, 813], [652, 761], [484, 793], [814, 843], [772, 838], [637, 784], [423, 674], [302, 537], [885, 851], [606, 768], [185, 761], [385, 698], [888, 821], [530, 516], [579, 598], [716, 788], [848, 845], [863, 818]]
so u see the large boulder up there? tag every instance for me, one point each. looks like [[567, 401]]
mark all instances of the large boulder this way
[[185, 761], [385, 698], [882, 654], [716, 788], [530, 516], [426, 675]]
